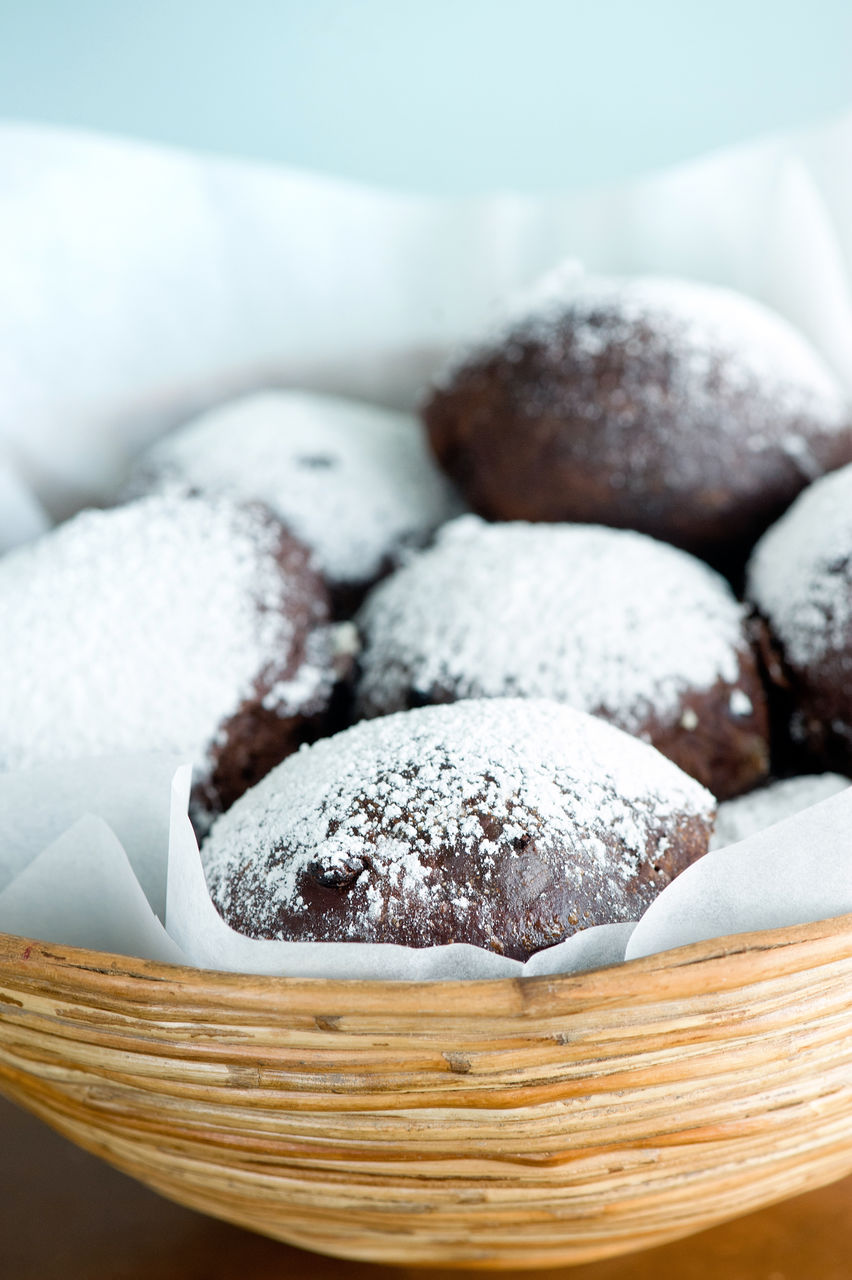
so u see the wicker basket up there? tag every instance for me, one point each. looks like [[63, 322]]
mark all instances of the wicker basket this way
[[510, 1123]]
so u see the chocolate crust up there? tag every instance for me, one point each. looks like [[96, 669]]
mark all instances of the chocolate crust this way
[[548, 426], [811, 707], [258, 735], [728, 753], [800, 583], [538, 909]]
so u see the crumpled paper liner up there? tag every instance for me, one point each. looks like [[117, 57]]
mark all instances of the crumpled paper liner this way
[[138, 284]]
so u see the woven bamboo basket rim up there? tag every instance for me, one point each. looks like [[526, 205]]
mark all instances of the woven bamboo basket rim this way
[[738, 959]]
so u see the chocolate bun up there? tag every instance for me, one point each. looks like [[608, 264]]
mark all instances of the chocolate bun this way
[[510, 824], [688, 412], [176, 624], [800, 580], [606, 620], [354, 482]]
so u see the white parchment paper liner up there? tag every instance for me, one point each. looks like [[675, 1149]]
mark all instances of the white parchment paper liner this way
[[80, 840], [138, 284]]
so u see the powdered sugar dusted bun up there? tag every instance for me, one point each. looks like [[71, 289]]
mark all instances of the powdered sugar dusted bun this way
[[172, 624], [606, 620], [689, 412], [800, 579], [738, 819], [355, 482], [509, 824]]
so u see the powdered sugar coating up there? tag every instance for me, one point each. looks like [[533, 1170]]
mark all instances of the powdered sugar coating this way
[[146, 627], [800, 575], [746, 815], [430, 825], [606, 620], [702, 323], [718, 344], [354, 482]]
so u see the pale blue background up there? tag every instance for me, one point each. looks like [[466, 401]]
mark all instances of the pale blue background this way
[[436, 96]]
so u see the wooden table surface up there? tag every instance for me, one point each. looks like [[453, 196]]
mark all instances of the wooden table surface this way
[[66, 1215]]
